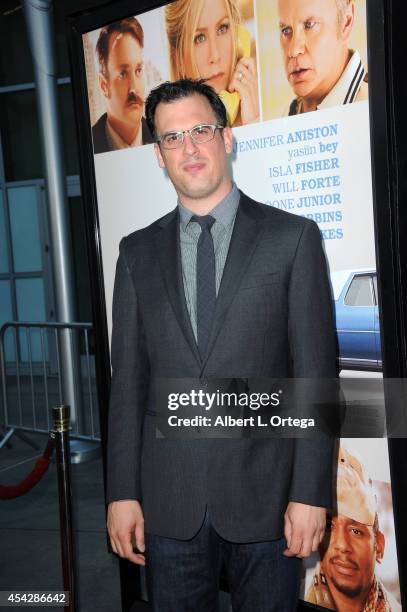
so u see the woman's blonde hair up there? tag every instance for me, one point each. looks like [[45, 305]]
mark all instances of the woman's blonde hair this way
[[181, 22]]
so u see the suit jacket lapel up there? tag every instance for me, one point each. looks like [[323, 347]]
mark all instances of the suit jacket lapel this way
[[246, 234], [169, 254]]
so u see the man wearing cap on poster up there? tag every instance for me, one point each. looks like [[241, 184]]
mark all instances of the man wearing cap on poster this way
[[121, 80], [320, 67], [346, 580]]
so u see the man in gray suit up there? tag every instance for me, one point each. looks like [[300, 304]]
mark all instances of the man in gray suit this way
[[221, 287]]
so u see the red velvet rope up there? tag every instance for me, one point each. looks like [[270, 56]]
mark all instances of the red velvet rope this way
[[38, 471]]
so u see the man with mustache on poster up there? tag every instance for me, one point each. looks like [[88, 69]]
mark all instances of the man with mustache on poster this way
[[121, 80], [321, 69], [345, 580]]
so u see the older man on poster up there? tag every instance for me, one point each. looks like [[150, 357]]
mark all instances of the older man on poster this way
[[345, 579], [121, 79], [321, 69]]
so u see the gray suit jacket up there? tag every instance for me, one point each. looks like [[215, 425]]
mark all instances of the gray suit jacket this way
[[273, 319]]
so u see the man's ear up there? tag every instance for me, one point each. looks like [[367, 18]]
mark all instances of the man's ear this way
[[158, 155], [347, 24], [228, 139], [380, 541], [103, 85]]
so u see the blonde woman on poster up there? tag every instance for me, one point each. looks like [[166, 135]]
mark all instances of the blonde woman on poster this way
[[320, 68], [207, 41], [346, 579]]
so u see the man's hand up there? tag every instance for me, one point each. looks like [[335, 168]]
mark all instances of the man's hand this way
[[125, 524], [304, 528]]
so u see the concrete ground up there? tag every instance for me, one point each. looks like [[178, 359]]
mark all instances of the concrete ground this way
[[30, 557]]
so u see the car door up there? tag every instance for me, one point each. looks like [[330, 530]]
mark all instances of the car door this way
[[356, 328]]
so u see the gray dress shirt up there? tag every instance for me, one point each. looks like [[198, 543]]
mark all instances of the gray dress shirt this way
[[224, 214]]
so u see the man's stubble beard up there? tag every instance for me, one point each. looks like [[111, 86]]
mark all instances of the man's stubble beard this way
[[205, 191], [350, 592]]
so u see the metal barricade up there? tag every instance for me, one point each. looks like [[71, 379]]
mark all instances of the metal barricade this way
[[32, 377]]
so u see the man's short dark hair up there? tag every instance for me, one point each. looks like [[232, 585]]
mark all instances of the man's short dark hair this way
[[131, 26], [183, 88]]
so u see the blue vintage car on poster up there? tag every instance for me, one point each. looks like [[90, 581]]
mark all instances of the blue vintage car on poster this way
[[357, 319]]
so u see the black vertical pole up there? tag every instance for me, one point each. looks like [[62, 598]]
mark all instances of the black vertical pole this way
[[60, 432]]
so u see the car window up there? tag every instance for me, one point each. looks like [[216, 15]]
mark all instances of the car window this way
[[359, 292]]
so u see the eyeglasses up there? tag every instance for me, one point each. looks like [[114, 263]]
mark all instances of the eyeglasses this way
[[199, 134]]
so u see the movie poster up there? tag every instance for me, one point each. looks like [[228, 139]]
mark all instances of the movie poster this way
[[293, 76]]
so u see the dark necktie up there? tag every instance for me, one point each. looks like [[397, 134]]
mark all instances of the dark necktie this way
[[205, 281]]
